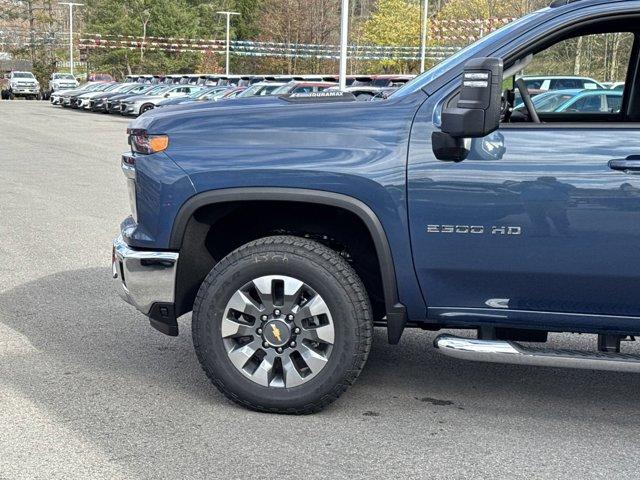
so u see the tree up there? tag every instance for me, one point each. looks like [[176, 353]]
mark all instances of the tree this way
[[33, 30], [485, 9], [293, 22], [166, 18], [394, 23]]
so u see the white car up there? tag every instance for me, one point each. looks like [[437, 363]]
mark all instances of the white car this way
[[546, 83], [62, 81], [56, 98], [139, 104], [84, 100], [22, 84]]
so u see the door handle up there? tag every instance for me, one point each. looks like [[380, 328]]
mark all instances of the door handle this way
[[627, 165]]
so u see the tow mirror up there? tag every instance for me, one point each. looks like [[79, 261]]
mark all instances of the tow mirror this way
[[477, 112]]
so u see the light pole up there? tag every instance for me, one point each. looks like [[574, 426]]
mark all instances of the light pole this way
[[146, 16], [228, 14], [423, 36], [71, 5], [344, 41]]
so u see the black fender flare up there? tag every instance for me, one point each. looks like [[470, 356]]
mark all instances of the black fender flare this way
[[396, 314]]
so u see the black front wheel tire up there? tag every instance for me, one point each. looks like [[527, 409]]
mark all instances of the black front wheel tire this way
[[315, 271]]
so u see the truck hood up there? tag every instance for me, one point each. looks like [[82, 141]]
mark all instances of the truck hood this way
[[172, 114]]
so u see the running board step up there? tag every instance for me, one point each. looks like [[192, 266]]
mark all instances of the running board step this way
[[500, 351]]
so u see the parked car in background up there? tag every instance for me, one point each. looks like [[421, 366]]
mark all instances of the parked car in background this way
[[261, 89], [593, 101], [114, 103], [204, 95], [20, 84], [84, 100], [576, 101], [71, 100], [139, 104], [231, 93], [617, 86], [548, 101], [56, 98], [100, 77], [302, 87], [100, 103], [61, 81], [537, 85], [391, 80]]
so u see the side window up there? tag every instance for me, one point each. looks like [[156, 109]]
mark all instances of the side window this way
[[588, 104], [533, 84], [566, 84], [570, 68]]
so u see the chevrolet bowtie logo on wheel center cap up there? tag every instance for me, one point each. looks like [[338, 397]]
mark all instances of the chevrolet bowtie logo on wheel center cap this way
[[276, 333]]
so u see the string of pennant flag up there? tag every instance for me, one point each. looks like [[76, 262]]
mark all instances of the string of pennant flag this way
[[263, 49], [258, 50], [452, 33]]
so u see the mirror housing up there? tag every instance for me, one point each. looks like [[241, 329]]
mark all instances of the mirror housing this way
[[478, 110]]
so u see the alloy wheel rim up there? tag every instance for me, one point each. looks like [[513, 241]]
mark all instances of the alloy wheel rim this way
[[277, 331]]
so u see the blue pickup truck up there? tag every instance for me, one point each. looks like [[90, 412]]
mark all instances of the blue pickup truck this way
[[291, 226]]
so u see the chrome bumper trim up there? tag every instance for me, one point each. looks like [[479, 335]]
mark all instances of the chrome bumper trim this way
[[144, 277], [500, 351]]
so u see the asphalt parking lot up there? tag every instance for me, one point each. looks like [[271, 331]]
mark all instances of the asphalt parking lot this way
[[89, 390]]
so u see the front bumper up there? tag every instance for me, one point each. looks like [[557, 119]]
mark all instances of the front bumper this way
[[130, 109], [97, 105], [147, 279], [25, 90]]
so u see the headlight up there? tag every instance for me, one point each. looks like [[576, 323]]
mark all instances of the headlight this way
[[142, 142]]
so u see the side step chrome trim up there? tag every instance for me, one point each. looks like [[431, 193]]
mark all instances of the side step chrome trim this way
[[499, 351]]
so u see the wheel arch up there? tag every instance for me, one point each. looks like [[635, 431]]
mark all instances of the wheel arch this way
[[396, 315]]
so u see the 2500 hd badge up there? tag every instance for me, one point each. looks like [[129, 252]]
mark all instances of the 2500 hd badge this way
[[474, 229]]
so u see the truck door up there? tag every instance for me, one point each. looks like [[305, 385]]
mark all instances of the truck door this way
[[541, 218]]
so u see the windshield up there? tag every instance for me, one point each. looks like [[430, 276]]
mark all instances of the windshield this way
[[260, 90], [23, 75], [284, 88], [209, 93], [103, 87], [464, 54], [158, 90], [91, 86], [63, 76], [252, 90], [116, 87]]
